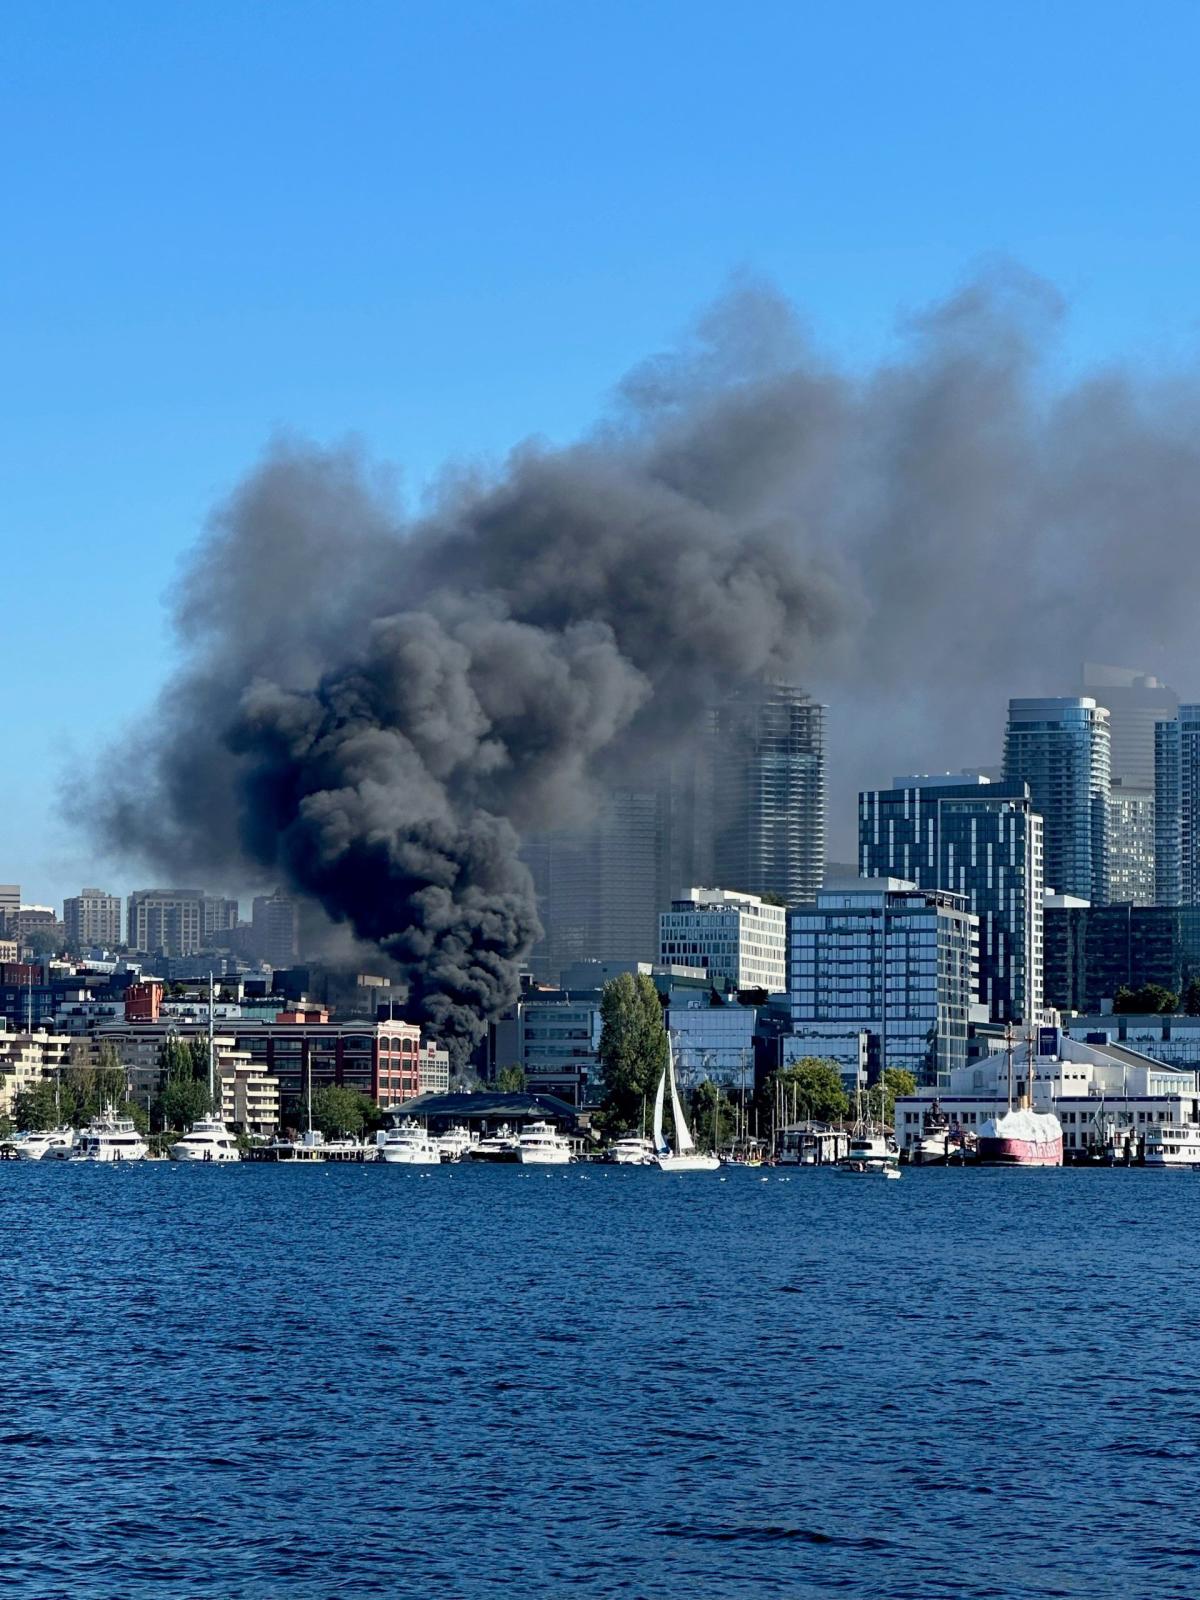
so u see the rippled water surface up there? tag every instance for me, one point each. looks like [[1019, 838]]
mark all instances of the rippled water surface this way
[[274, 1381]]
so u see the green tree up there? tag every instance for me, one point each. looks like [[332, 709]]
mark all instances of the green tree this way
[[633, 1047], [511, 1080], [884, 1092], [1191, 999], [712, 1115], [1150, 999], [337, 1110], [34, 1108], [812, 1086], [183, 1101]]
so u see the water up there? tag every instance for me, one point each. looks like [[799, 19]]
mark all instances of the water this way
[[319, 1381]]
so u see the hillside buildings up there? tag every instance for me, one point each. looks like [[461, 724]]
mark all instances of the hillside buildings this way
[[736, 938], [1061, 749], [980, 840], [92, 918], [886, 973]]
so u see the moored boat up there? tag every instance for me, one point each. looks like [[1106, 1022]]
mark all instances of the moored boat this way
[[541, 1145], [685, 1157], [406, 1143], [630, 1151], [871, 1154], [109, 1138], [500, 1146], [1020, 1138], [1173, 1144], [208, 1139], [45, 1145]]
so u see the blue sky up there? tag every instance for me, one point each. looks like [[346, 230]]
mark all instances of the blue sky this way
[[444, 227]]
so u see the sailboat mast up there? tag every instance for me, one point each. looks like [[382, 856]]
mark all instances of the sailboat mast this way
[[1008, 1042], [211, 1067]]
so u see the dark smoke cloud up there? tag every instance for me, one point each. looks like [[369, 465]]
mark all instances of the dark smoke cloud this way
[[374, 707]]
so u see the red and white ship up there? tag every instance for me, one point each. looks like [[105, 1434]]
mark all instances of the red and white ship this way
[[1021, 1139]]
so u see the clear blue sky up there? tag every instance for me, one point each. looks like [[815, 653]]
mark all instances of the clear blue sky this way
[[443, 227]]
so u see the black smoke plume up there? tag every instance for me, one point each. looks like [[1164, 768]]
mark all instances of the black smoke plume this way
[[373, 707]]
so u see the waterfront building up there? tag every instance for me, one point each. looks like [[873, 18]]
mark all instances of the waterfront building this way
[[1060, 748], [889, 960], [1131, 844], [1174, 1040], [981, 840], [738, 939], [26, 1058], [1100, 1092], [249, 1094], [92, 917], [1136, 702], [1092, 951], [769, 792], [1177, 809]]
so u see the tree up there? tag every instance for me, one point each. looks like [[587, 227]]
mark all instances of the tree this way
[[184, 1101], [337, 1110], [712, 1114], [1151, 998], [34, 1109], [633, 1047], [1191, 1000], [812, 1086], [511, 1080], [884, 1092]]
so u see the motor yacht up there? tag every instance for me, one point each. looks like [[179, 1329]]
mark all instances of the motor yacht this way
[[208, 1139], [110, 1138], [1173, 1144], [499, 1146], [51, 1143], [872, 1155], [407, 1143], [456, 1143], [630, 1151], [541, 1145]]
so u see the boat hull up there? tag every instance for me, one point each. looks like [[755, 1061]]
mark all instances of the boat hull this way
[[689, 1163], [409, 1158], [544, 1158], [1000, 1152], [186, 1153]]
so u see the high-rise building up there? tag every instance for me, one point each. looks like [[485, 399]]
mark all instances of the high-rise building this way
[[769, 792], [887, 964], [980, 840], [1136, 701], [219, 916], [1130, 844], [10, 902], [93, 917], [1177, 809], [1092, 951], [275, 929], [1060, 748], [166, 921], [735, 937]]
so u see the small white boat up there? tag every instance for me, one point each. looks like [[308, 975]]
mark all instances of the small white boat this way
[[541, 1145], [208, 1139], [110, 1138], [685, 1157], [871, 1155], [48, 1144], [1172, 1144], [407, 1143], [630, 1151]]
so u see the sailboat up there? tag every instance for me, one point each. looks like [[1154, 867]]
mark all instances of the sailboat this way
[[685, 1157]]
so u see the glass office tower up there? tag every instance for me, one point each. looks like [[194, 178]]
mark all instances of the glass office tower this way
[[1060, 748], [1177, 809]]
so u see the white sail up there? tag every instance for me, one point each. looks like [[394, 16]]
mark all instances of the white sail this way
[[660, 1144], [683, 1139]]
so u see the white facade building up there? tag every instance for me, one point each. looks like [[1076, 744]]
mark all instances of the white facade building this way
[[1098, 1092], [736, 937]]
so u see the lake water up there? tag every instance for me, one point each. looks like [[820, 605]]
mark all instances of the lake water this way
[[286, 1381]]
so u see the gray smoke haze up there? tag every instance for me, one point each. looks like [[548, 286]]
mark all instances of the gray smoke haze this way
[[372, 707]]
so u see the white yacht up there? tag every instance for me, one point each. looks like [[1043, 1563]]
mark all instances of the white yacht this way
[[110, 1138], [310, 1146], [541, 1145], [685, 1157], [206, 1140], [1171, 1144], [49, 1144], [871, 1154], [406, 1143], [630, 1151], [500, 1146], [456, 1143]]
